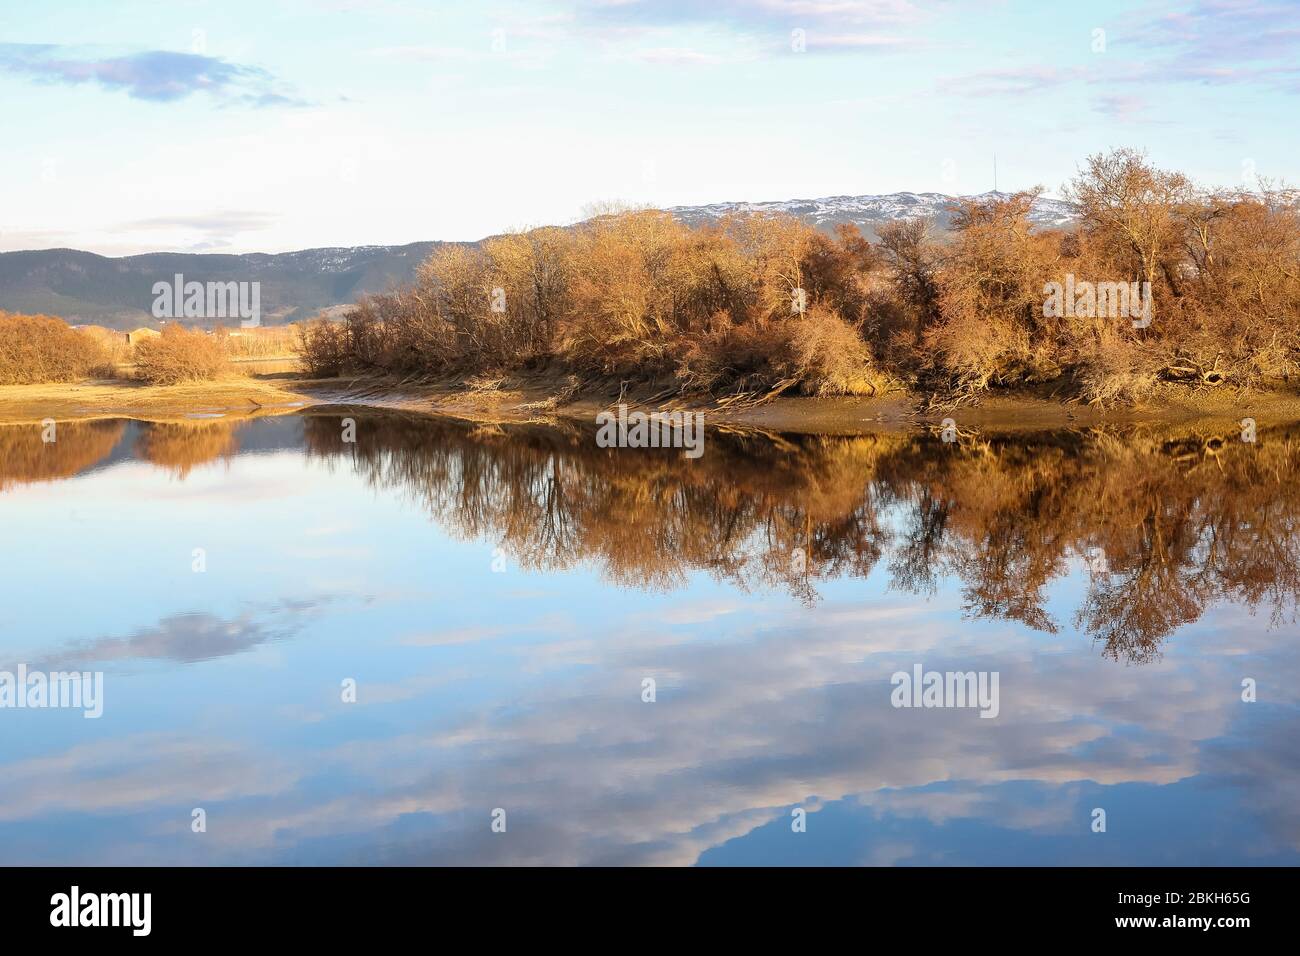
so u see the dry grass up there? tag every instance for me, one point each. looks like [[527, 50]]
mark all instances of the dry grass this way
[[107, 399], [113, 343], [263, 342]]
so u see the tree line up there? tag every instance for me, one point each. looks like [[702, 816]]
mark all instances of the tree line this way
[[761, 304]]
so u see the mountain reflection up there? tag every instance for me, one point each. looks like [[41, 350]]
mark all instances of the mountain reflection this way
[[1161, 527]]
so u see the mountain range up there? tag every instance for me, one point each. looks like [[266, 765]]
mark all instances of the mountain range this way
[[870, 212], [83, 287]]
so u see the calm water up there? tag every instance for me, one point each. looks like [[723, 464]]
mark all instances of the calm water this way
[[500, 598]]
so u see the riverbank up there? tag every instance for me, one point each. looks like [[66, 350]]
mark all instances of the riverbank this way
[[113, 398], [537, 401], [1022, 410]]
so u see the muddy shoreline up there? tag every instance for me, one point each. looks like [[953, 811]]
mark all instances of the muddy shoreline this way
[[896, 412], [1002, 412]]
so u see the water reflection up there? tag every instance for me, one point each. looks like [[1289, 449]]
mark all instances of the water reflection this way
[[372, 561], [26, 457], [182, 447], [1165, 526]]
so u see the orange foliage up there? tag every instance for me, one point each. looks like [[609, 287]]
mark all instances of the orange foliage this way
[[40, 348]]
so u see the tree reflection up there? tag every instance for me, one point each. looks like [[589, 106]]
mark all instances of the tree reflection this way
[[1174, 523], [182, 446], [25, 456], [1180, 523]]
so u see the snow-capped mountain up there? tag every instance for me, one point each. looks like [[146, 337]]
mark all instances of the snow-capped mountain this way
[[869, 212], [84, 287]]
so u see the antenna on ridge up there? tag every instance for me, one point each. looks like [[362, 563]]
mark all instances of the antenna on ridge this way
[[995, 172]]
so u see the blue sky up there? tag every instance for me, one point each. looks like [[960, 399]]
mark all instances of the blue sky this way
[[285, 124]]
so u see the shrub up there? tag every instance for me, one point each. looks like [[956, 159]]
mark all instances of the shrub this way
[[181, 355], [1117, 369], [819, 352], [990, 327], [830, 358], [735, 357], [323, 347], [39, 348], [629, 294]]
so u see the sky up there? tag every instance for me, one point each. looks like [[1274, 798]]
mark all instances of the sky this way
[[274, 125]]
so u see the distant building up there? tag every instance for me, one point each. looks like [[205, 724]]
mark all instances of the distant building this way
[[139, 335]]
